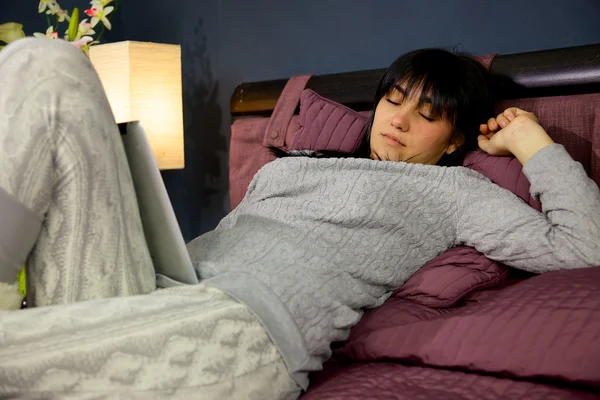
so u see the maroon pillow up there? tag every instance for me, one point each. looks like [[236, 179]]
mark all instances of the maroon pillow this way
[[546, 327], [451, 276], [327, 125], [506, 172]]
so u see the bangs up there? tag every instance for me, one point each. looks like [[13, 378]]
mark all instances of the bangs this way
[[443, 104], [437, 75]]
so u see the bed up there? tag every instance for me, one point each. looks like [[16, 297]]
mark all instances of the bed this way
[[462, 327]]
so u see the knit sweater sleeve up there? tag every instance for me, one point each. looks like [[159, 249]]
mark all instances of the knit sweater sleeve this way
[[566, 234]]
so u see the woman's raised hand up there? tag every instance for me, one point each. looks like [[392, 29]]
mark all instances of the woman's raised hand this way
[[513, 132]]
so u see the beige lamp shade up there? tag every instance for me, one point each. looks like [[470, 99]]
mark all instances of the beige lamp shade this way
[[143, 83]]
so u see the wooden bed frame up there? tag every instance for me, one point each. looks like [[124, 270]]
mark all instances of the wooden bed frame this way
[[556, 72]]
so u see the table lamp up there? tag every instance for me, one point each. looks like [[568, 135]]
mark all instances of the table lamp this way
[[143, 83]]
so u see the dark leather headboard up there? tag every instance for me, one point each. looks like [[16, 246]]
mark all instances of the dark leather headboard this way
[[556, 72]]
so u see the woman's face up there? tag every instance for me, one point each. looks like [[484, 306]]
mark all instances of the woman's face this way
[[403, 131]]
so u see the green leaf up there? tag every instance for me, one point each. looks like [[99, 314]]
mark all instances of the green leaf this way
[[73, 25]]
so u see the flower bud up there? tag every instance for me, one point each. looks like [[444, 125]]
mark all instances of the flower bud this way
[[73, 25]]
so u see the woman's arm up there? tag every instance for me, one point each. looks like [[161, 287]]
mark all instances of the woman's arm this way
[[567, 232]]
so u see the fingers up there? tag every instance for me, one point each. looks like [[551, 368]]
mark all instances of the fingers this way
[[490, 146], [485, 131], [513, 112], [492, 125], [502, 120], [510, 113], [517, 111], [484, 143]]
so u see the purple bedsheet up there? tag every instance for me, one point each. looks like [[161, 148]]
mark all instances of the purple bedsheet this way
[[393, 381], [532, 338]]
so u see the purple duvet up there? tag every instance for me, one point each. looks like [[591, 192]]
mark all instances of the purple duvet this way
[[535, 338], [387, 381]]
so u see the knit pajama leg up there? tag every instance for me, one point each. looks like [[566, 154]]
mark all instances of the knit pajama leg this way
[[67, 202], [185, 342]]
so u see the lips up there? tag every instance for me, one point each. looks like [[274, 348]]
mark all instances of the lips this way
[[392, 140]]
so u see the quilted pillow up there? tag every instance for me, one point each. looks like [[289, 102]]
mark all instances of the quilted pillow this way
[[506, 172], [545, 327], [327, 125], [452, 275]]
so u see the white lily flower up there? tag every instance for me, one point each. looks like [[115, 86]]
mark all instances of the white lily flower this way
[[59, 12], [11, 31], [85, 28], [101, 3], [83, 41], [46, 3], [50, 34], [52, 8], [99, 14]]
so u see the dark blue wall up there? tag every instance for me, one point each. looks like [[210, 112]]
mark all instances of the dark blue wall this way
[[226, 42], [265, 39]]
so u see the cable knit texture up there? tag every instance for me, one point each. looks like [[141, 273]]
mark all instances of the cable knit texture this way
[[67, 202], [329, 237]]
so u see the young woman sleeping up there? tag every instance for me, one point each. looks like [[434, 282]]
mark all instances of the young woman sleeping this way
[[290, 270]]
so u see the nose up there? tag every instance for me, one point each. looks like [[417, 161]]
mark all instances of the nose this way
[[400, 119]]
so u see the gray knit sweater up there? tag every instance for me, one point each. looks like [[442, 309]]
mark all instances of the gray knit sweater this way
[[315, 241]]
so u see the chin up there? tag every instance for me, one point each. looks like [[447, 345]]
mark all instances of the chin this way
[[385, 154]]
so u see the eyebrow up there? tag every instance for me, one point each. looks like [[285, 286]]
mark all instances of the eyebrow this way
[[403, 93]]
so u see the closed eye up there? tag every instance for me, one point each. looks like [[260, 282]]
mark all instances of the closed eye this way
[[392, 102], [428, 118]]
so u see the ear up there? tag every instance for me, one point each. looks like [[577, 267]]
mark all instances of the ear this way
[[458, 139]]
